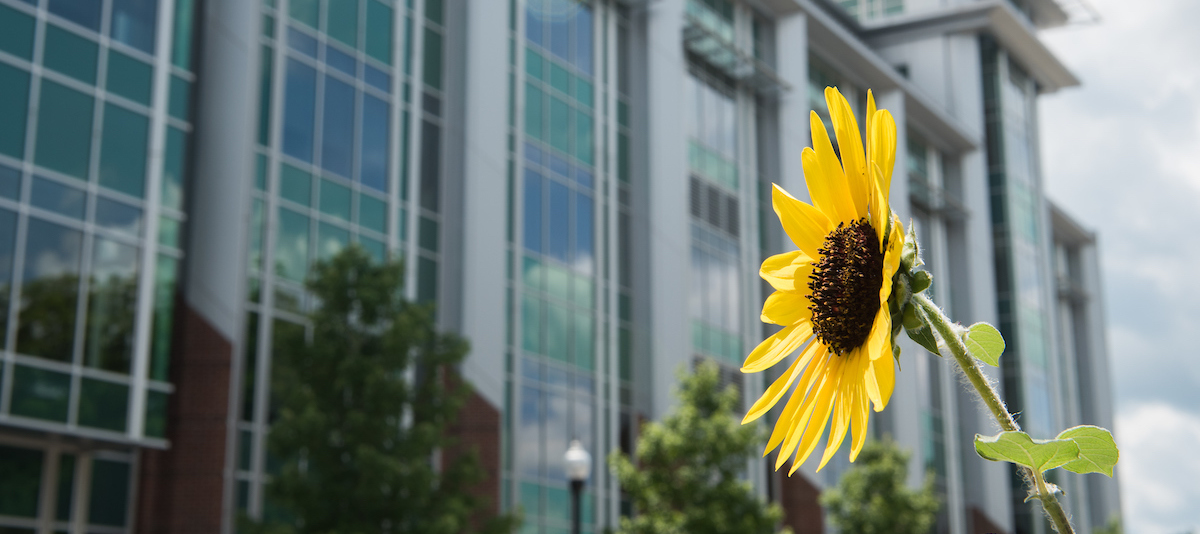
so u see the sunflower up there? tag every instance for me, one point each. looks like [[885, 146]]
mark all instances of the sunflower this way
[[832, 294]]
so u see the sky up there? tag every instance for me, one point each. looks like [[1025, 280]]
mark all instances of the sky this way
[[1121, 154]]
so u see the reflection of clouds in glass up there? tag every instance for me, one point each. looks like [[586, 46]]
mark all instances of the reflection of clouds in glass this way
[[110, 259], [528, 438], [557, 435], [51, 250]]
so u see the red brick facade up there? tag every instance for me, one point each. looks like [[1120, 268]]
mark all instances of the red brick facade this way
[[478, 429], [180, 490], [801, 510], [981, 524]]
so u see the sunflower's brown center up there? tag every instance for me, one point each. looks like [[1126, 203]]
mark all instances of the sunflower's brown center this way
[[845, 286]]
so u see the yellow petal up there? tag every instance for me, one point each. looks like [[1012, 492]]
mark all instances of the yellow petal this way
[[784, 428], [891, 259], [821, 409], [806, 225], [823, 173], [779, 387], [870, 116], [780, 270], [776, 347], [851, 376], [883, 146], [858, 422], [879, 340], [880, 208], [854, 164], [786, 308]]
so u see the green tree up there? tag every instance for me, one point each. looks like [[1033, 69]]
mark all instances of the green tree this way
[[363, 405], [687, 473], [871, 497]]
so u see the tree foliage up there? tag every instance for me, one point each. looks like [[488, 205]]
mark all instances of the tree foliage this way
[[362, 409], [687, 473], [871, 497]]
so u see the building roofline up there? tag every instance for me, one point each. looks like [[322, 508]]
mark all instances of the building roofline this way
[[830, 36], [997, 17], [1066, 228]]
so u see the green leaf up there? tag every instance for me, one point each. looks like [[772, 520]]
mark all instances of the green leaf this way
[[985, 342], [921, 280], [1097, 450], [917, 326], [1019, 448], [910, 254]]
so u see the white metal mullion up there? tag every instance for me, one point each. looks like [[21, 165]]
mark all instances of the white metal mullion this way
[[46, 493], [395, 123], [81, 492], [416, 80], [147, 273], [612, 253]]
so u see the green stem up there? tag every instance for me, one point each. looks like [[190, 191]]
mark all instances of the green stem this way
[[952, 335]]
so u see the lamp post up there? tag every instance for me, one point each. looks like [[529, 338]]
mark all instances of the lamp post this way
[[579, 465]]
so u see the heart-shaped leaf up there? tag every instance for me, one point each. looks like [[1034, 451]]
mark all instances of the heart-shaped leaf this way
[[984, 342], [1019, 448], [1097, 450], [917, 326]]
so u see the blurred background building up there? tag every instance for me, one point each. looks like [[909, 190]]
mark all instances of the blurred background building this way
[[583, 188]]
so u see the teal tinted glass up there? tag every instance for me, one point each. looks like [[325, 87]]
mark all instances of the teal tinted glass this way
[[335, 199], [291, 246], [560, 125], [70, 54], [133, 23], [295, 185], [58, 197], [109, 497], [66, 486], [40, 393], [341, 21], [64, 133], [14, 110], [379, 31], [168, 232], [331, 240], [375, 248], [180, 99], [165, 274], [305, 11], [8, 247], [433, 59], [181, 48], [112, 300], [103, 405], [16, 33], [174, 168], [20, 480], [129, 77], [49, 291], [123, 150], [156, 414], [372, 213], [426, 280], [434, 11]]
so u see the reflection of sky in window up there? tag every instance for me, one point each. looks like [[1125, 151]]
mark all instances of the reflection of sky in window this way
[[51, 250], [110, 258], [529, 433], [337, 136]]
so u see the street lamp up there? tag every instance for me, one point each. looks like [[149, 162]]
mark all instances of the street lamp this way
[[579, 466]]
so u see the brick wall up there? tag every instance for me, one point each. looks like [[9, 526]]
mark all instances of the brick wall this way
[[801, 510]]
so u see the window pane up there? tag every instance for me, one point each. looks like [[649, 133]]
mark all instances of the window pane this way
[[64, 131], [372, 213], [582, 257], [165, 274], [583, 38], [8, 242], [559, 78], [558, 282], [379, 32], [331, 240], [562, 11], [156, 414], [179, 101], [534, 13], [341, 21], [557, 434], [58, 197], [109, 493], [426, 280], [174, 169], [305, 11], [103, 405], [70, 54], [133, 23], [40, 394], [123, 150], [335, 200], [531, 324], [16, 33], [559, 223], [533, 211], [118, 216], [298, 104], [337, 136], [265, 75], [334, 57], [49, 290], [85, 13], [583, 136], [295, 185], [129, 77], [168, 232], [430, 165], [376, 249], [433, 59], [14, 110], [112, 300], [529, 450], [427, 234], [583, 340], [558, 325], [374, 142], [291, 246], [66, 486], [20, 480], [533, 112], [181, 50], [560, 125]]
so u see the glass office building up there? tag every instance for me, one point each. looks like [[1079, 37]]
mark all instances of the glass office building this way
[[582, 188]]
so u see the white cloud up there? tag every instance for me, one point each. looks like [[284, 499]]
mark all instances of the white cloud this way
[[1159, 468]]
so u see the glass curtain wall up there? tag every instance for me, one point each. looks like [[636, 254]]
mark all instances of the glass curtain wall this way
[[561, 181], [1017, 221], [94, 133], [349, 151]]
